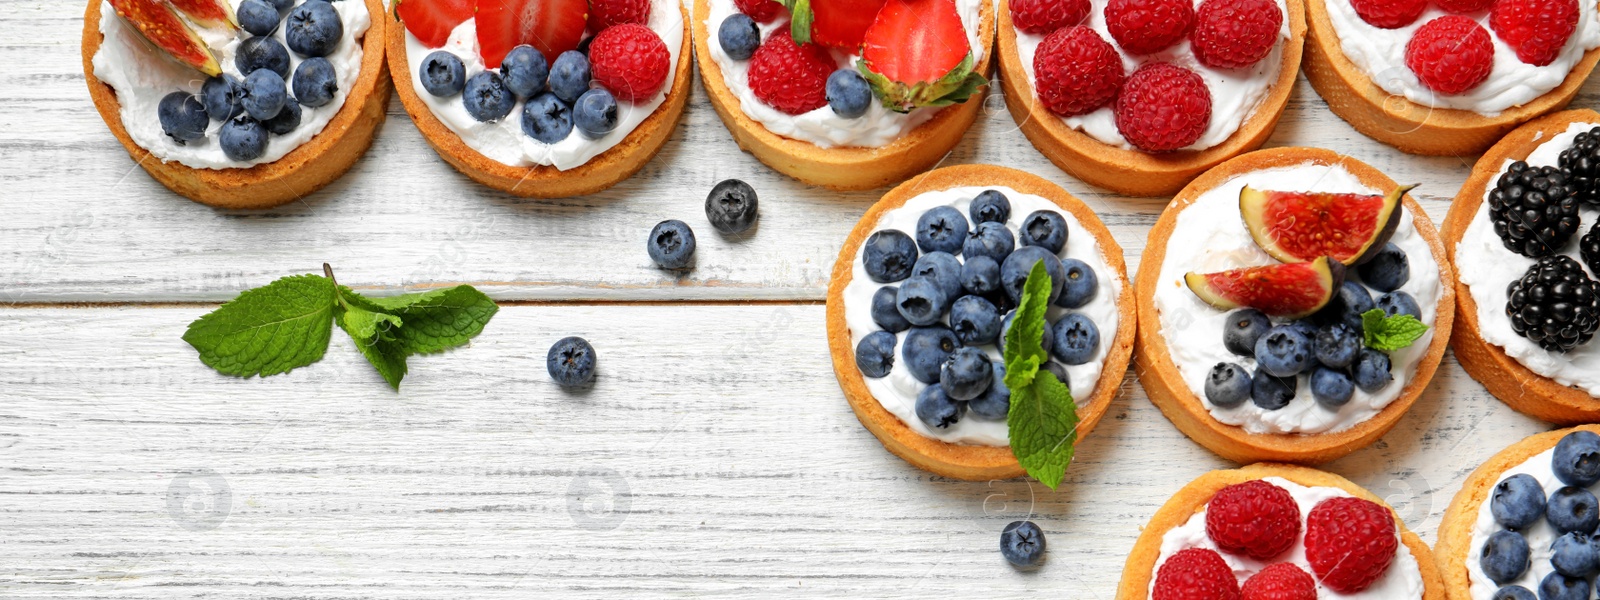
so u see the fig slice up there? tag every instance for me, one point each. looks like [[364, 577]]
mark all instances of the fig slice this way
[[160, 24], [1298, 227], [207, 13], [1289, 290]]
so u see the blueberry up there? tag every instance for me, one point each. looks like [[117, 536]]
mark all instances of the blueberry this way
[[925, 349], [739, 36], [1572, 509], [921, 301], [183, 117], [282, 6], [941, 229], [848, 94], [261, 53], [1047, 341], [990, 206], [1060, 372], [264, 95], [1080, 286], [1284, 352], [571, 361], [1242, 329], [1270, 392], [966, 374], [936, 409], [1227, 385], [243, 139], [486, 98], [1513, 592], [1331, 388], [732, 206], [258, 17], [1346, 306], [1077, 339], [944, 269], [220, 94], [524, 71], [1306, 328], [1387, 270], [1517, 501], [889, 255], [875, 354], [995, 402], [989, 239], [671, 244], [1504, 557], [1372, 370], [287, 120], [1016, 267], [1022, 543], [1556, 586], [975, 320], [1572, 555], [1337, 345], [885, 312], [313, 29], [546, 119], [315, 83], [569, 76], [1399, 303], [1046, 229], [980, 275], [442, 74], [595, 113], [1577, 459]]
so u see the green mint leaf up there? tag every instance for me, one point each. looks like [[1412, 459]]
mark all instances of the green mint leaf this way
[[374, 335], [1390, 333], [1043, 426], [362, 318], [1023, 353], [435, 321], [268, 330]]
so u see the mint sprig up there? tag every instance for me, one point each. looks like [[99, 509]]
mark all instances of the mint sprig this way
[[287, 324], [1043, 420], [1390, 333]]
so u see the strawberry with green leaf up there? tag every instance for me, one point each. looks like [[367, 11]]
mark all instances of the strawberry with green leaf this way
[[550, 26], [916, 54], [839, 24]]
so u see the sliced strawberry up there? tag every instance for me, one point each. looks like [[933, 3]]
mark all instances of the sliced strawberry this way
[[433, 20], [550, 26], [916, 54], [836, 23]]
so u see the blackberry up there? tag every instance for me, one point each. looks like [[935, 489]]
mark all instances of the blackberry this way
[[1581, 163], [1554, 304], [1534, 210], [1589, 248]]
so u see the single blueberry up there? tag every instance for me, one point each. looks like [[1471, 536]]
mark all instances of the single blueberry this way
[[1577, 459], [966, 374], [287, 120], [486, 97], [569, 76], [671, 244], [313, 29], [1022, 543], [937, 409], [1046, 229], [848, 93], [990, 206], [571, 361], [1372, 370], [1556, 586], [595, 114], [1337, 345], [261, 53], [264, 95], [524, 71], [941, 229], [315, 83], [1399, 303], [258, 17], [1517, 501], [243, 139], [1077, 339], [1331, 388], [732, 206], [1306, 328], [1270, 392], [1504, 557], [1227, 385], [1346, 306], [1573, 555], [1242, 329], [546, 118], [1513, 592], [1080, 286], [980, 275], [975, 320], [889, 255], [1284, 352], [875, 354], [220, 94], [989, 239], [921, 301], [442, 74], [1387, 270], [739, 36], [183, 117], [925, 349], [885, 312], [944, 269], [1572, 509], [282, 6], [995, 402], [1016, 267]]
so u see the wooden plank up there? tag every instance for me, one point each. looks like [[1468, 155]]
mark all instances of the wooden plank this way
[[715, 456]]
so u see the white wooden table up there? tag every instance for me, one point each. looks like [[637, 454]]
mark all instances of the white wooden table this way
[[716, 455]]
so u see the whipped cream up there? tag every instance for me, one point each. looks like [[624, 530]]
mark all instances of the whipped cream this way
[[503, 141], [897, 391], [1235, 93], [1402, 580], [1210, 236], [1488, 268], [1381, 55], [1539, 535], [142, 75], [878, 128]]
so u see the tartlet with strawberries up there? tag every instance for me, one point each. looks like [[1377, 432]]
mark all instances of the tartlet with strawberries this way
[[1448, 77], [246, 104], [1272, 532], [1141, 96], [542, 98], [842, 94]]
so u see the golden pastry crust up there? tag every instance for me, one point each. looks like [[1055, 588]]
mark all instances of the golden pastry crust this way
[[843, 168], [1134, 172], [1165, 385], [316, 163], [1406, 125], [543, 181], [1528, 392], [1455, 529], [973, 463], [1141, 566]]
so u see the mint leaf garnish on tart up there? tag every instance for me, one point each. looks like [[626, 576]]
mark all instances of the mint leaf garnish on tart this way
[[1390, 333], [1043, 419]]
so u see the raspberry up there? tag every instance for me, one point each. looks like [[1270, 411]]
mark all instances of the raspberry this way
[[1450, 54], [1076, 71], [1535, 29], [1462, 7], [1195, 574], [1147, 26], [1046, 16], [1350, 543], [1255, 518], [1229, 34], [630, 61], [762, 11], [1282, 581], [1163, 107], [605, 13], [790, 77], [1389, 14]]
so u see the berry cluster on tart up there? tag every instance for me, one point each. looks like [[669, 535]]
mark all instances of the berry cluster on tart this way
[[1294, 303], [1448, 77], [1524, 238], [924, 292], [543, 98], [246, 104], [1273, 532], [1141, 96], [845, 94]]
